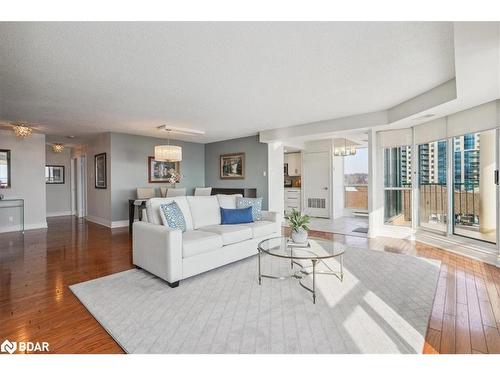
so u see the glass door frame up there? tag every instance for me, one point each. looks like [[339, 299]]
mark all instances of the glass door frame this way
[[416, 188], [450, 186], [451, 192]]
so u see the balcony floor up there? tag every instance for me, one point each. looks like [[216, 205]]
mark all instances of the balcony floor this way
[[342, 225]]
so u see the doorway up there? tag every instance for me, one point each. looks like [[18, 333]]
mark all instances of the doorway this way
[[79, 186]]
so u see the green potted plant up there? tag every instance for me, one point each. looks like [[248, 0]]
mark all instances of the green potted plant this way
[[299, 225]]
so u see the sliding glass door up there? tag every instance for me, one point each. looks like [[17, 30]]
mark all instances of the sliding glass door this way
[[433, 195], [397, 186], [474, 186]]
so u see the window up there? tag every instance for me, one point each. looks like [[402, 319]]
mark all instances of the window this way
[[356, 180], [397, 185]]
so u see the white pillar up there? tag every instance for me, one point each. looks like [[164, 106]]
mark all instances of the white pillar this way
[[487, 187], [415, 197], [276, 191], [375, 187]]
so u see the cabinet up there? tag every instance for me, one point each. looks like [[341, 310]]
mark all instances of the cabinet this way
[[294, 161], [292, 199]]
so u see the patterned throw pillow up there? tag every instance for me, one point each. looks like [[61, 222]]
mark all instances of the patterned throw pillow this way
[[255, 203], [171, 216]]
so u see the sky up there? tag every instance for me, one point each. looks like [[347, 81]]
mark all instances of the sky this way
[[357, 163]]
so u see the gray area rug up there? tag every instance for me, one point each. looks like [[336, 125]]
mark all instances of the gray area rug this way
[[382, 306]]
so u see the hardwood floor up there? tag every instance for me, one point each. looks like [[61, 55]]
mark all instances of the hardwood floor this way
[[37, 305]]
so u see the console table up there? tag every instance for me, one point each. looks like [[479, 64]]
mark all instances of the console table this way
[[131, 210], [14, 202]]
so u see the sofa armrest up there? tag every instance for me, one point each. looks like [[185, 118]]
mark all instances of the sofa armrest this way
[[270, 216], [158, 249], [275, 217]]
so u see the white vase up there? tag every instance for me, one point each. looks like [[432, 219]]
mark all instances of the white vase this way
[[299, 235]]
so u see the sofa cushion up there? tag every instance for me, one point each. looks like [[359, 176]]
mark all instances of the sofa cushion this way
[[230, 233], [205, 210], [262, 228], [153, 210], [228, 200], [196, 242]]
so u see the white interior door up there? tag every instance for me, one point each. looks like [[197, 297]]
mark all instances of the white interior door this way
[[316, 183]]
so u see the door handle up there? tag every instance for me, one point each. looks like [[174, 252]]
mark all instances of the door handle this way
[[325, 188], [496, 177]]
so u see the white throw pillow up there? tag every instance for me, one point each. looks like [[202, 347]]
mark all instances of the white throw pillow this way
[[205, 210], [228, 200]]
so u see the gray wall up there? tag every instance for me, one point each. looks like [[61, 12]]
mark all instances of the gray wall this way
[[99, 200], [28, 180], [129, 168], [255, 165], [59, 195]]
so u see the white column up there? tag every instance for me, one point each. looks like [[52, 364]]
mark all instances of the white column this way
[[415, 198], [450, 182], [276, 191], [375, 187], [487, 187]]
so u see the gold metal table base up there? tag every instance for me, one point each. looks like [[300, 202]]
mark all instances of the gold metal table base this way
[[300, 274]]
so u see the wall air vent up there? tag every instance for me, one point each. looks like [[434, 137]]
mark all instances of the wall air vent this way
[[316, 202]]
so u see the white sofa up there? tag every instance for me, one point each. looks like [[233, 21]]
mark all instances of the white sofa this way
[[206, 244]]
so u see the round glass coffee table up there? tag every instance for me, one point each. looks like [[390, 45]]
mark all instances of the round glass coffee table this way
[[316, 250]]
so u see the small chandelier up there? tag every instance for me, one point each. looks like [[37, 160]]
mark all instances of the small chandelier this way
[[344, 151], [22, 130], [168, 152], [58, 147]]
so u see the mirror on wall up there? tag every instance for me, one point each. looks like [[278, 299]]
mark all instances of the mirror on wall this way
[[5, 169]]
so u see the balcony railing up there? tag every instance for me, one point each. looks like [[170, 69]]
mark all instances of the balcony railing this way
[[356, 196], [434, 203]]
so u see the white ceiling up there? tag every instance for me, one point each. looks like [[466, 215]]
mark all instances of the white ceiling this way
[[229, 79]]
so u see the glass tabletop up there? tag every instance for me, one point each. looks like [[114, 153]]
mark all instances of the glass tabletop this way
[[317, 248]]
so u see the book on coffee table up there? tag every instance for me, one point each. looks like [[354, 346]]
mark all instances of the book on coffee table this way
[[290, 243]]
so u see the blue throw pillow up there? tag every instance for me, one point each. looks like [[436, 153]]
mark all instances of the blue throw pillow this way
[[172, 216], [255, 203], [236, 215]]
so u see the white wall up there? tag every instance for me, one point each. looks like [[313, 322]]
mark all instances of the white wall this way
[[338, 192], [59, 195], [276, 191], [27, 181]]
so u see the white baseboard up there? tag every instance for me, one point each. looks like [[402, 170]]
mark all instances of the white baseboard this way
[[98, 220], [59, 213], [107, 223], [18, 228], [119, 224]]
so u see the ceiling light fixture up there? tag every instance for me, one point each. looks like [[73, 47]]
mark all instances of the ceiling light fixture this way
[[58, 148], [344, 150], [185, 131], [22, 130], [168, 152]]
